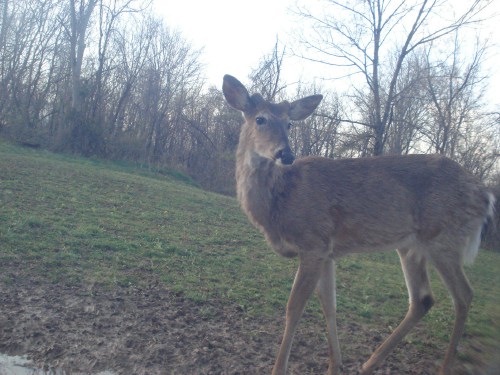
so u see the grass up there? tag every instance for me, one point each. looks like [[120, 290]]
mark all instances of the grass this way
[[65, 219], [78, 221]]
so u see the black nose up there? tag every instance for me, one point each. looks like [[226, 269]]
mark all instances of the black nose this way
[[286, 156]]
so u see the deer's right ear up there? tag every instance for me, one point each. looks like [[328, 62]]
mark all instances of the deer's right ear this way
[[236, 94]]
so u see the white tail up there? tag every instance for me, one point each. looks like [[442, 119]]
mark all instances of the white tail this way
[[426, 206]]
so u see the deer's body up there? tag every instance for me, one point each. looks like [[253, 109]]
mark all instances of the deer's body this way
[[352, 211], [425, 206]]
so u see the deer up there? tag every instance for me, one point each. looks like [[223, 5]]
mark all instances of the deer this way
[[426, 207]]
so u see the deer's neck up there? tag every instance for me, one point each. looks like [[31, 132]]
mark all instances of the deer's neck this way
[[258, 180]]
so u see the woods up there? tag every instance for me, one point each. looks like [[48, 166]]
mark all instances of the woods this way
[[109, 79]]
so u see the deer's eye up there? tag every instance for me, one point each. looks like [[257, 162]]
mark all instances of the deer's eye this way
[[260, 120]]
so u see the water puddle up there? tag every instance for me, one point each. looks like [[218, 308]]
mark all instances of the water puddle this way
[[20, 365]]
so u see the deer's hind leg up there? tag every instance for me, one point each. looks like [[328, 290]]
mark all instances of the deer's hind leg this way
[[414, 266], [451, 270]]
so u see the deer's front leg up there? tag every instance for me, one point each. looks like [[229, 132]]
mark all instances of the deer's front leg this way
[[326, 290], [304, 284]]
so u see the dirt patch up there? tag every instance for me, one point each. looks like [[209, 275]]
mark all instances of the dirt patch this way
[[152, 330]]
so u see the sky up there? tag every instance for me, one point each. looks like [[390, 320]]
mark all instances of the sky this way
[[236, 34]]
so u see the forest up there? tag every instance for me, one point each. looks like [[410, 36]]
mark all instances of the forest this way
[[110, 79]]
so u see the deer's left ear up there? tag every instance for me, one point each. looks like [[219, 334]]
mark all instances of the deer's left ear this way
[[302, 108]]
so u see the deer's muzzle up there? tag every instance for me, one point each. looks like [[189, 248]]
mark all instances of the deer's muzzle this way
[[286, 156]]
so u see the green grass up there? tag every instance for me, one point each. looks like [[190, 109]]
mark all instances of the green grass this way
[[74, 220], [65, 219]]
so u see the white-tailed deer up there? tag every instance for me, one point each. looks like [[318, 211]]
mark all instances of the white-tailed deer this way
[[425, 206]]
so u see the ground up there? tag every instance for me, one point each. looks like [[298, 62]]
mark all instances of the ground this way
[[151, 330]]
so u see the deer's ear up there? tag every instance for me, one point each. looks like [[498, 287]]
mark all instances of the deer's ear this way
[[236, 94], [302, 108]]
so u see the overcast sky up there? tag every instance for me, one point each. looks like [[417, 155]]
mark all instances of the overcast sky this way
[[233, 34], [236, 34]]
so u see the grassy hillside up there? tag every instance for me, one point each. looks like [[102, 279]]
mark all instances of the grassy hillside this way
[[75, 221]]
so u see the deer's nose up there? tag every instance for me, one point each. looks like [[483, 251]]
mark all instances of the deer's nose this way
[[286, 156]]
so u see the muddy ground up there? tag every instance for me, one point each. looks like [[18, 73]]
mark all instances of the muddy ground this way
[[150, 330]]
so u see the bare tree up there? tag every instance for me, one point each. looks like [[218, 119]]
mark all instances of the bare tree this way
[[409, 112], [27, 64], [109, 16], [170, 76], [267, 77], [4, 14], [131, 52], [458, 125], [214, 133], [454, 89], [358, 36], [79, 17]]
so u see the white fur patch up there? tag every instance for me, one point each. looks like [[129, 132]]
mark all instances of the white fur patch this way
[[472, 246], [473, 241], [491, 206]]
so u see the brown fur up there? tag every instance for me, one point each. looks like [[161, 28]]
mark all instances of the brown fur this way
[[320, 209]]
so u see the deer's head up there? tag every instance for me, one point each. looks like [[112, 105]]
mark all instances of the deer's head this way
[[266, 126]]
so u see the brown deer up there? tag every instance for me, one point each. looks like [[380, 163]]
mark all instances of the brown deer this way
[[425, 206]]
